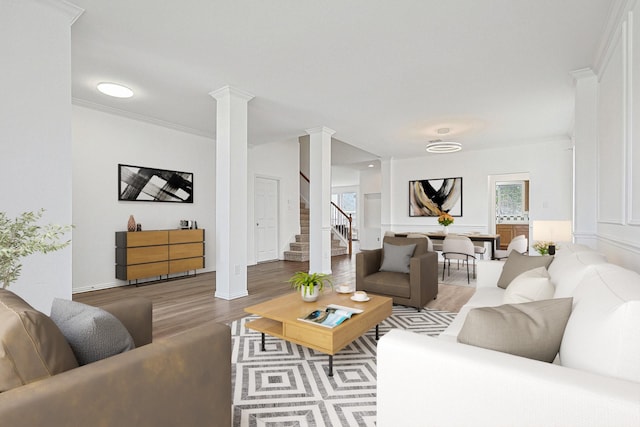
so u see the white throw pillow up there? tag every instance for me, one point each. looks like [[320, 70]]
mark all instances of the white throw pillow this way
[[602, 333], [567, 271], [532, 285]]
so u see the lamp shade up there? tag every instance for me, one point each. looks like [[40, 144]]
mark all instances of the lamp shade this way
[[553, 231]]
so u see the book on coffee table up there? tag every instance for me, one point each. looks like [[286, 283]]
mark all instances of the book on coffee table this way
[[331, 316]]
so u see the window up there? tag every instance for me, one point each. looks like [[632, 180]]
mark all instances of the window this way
[[510, 199]]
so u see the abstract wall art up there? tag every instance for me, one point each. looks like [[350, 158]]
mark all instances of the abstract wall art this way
[[433, 197], [141, 184]]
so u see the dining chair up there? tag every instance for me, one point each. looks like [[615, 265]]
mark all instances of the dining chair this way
[[519, 244], [459, 248]]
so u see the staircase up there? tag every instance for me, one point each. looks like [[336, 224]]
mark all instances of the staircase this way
[[299, 250]]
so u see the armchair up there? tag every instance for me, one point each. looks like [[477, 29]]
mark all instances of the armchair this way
[[414, 289]]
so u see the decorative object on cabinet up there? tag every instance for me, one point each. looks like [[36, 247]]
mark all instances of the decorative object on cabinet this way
[[131, 224], [158, 253], [433, 197], [552, 232], [142, 184]]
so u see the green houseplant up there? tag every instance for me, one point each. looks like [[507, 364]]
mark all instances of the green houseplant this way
[[309, 284], [22, 237]]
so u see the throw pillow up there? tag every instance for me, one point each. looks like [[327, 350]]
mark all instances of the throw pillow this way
[[518, 263], [92, 333], [31, 345], [533, 329], [602, 333], [397, 258], [532, 285]]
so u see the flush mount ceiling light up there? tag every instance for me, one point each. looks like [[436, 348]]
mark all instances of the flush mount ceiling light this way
[[438, 146], [115, 90]]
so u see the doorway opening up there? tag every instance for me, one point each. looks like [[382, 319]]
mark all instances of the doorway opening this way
[[509, 206]]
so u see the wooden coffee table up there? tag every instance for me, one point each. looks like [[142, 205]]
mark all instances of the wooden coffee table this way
[[279, 318]]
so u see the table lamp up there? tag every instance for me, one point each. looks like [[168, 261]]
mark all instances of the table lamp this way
[[552, 232]]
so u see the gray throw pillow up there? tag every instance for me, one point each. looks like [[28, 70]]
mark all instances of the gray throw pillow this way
[[518, 263], [92, 333], [533, 329], [397, 257]]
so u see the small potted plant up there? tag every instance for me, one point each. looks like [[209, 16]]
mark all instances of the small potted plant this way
[[309, 284], [542, 247]]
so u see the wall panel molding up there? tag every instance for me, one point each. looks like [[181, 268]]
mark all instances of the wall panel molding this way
[[626, 245], [611, 162], [633, 118]]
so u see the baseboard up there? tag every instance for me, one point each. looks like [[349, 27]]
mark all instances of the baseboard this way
[[96, 287], [109, 285]]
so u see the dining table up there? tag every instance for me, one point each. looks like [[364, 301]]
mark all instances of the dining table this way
[[493, 239]]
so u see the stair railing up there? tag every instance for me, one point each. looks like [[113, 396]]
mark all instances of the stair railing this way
[[341, 222]]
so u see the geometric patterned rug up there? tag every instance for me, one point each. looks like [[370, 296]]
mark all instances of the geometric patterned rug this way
[[287, 385]]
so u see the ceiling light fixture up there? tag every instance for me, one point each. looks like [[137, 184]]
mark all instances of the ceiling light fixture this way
[[370, 165], [115, 90], [438, 146]]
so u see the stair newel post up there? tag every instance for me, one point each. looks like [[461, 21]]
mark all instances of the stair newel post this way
[[350, 238]]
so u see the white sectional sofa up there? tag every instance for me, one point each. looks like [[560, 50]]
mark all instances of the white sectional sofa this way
[[594, 381]]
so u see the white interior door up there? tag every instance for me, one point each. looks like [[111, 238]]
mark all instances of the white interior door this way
[[266, 216], [370, 238]]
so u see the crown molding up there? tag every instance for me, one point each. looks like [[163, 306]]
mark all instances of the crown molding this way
[[319, 129], [617, 13], [230, 90], [583, 73], [140, 117], [72, 11]]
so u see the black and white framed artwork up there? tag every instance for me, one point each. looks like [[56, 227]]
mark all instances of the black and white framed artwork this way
[[433, 197], [142, 184]]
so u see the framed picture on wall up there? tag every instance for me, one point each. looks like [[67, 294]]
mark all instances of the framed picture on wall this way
[[142, 184], [433, 197]]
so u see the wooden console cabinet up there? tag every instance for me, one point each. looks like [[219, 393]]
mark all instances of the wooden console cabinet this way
[[145, 254], [509, 231]]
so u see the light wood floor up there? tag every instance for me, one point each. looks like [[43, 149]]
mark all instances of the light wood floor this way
[[184, 303]]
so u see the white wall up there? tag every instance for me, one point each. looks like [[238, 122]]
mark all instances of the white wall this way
[[549, 165], [278, 160], [618, 146], [342, 176], [101, 141], [35, 132]]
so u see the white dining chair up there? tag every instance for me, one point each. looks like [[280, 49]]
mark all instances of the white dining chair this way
[[459, 248], [519, 244]]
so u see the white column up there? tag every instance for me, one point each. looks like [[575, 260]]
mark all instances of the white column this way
[[585, 157], [385, 197], [231, 192], [320, 199]]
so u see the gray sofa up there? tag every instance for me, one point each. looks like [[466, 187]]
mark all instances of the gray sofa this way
[[184, 380]]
